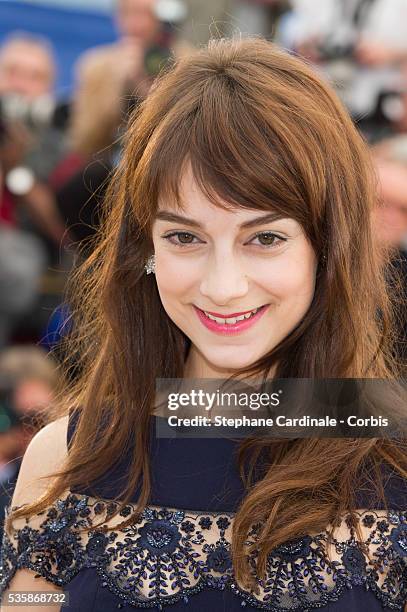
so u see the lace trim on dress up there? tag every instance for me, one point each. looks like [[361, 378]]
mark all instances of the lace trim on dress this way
[[167, 555]]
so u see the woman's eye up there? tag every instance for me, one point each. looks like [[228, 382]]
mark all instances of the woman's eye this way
[[268, 239], [181, 238]]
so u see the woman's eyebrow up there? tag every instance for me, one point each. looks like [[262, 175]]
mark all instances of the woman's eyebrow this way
[[164, 215]]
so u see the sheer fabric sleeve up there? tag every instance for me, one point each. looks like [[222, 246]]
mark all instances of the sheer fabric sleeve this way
[[38, 543]]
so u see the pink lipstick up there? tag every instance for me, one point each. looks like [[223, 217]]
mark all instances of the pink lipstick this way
[[230, 324]]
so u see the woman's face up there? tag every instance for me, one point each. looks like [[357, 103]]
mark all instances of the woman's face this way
[[235, 282]]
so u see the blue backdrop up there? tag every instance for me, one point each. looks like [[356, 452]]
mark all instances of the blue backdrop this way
[[71, 31]]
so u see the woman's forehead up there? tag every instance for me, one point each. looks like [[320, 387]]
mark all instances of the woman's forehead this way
[[193, 203]]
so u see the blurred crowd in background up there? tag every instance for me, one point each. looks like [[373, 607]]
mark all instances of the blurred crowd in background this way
[[57, 153]]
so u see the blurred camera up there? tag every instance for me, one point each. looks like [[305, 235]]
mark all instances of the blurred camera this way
[[170, 13], [37, 113]]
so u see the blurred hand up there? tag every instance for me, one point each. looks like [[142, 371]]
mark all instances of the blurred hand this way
[[129, 60]]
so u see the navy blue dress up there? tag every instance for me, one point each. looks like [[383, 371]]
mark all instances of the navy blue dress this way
[[176, 556]]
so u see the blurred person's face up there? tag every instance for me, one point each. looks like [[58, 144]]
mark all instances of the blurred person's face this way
[[26, 69], [391, 217], [31, 395], [235, 283], [136, 20]]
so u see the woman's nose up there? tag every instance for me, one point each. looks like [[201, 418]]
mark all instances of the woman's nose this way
[[224, 281]]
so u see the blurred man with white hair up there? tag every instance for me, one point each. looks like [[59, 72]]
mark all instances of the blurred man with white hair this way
[[27, 67], [27, 95], [30, 147]]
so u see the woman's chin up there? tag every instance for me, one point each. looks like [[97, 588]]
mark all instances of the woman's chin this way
[[230, 362]]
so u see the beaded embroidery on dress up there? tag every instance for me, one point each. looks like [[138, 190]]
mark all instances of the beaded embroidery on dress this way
[[169, 555]]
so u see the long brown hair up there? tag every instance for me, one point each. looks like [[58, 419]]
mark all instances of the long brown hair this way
[[261, 130]]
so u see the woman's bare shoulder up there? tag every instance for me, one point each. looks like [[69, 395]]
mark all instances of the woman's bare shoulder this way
[[44, 455]]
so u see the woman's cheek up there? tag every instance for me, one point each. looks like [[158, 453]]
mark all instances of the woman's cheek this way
[[282, 279], [175, 277], [291, 281]]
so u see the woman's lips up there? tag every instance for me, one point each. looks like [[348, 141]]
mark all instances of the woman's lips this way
[[227, 329]]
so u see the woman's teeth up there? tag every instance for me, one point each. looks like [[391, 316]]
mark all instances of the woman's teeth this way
[[231, 320]]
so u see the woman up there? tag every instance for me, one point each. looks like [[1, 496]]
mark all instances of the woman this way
[[244, 191]]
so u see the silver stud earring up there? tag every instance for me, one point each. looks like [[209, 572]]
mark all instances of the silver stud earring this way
[[150, 265]]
